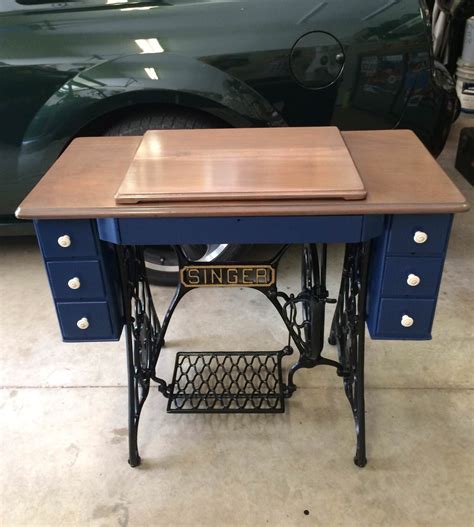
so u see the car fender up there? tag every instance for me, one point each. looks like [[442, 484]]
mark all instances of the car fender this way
[[138, 79]]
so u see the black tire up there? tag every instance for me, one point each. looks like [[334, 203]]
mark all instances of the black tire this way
[[161, 260], [166, 118]]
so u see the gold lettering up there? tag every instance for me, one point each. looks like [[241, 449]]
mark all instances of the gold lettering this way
[[234, 278], [245, 276], [227, 276], [262, 273], [216, 276], [193, 276]]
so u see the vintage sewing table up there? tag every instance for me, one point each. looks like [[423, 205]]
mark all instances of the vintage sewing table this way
[[396, 241]]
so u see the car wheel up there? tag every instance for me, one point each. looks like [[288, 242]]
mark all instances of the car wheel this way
[[161, 260]]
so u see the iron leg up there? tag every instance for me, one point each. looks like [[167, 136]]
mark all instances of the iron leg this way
[[348, 332], [141, 329], [360, 458], [133, 411], [133, 408]]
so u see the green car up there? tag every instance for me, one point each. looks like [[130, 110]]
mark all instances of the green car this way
[[119, 67]]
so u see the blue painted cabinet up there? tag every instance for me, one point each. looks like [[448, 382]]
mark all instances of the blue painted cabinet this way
[[405, 275], [84, 279]]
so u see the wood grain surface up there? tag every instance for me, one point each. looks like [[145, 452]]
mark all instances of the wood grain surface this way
[[399, 174], [244, 163]]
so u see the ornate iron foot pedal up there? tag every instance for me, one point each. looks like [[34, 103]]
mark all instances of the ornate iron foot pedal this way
[[228, 382], [247, 382]]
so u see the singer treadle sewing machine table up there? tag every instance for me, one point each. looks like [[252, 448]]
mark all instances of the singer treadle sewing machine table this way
[[395, 223]]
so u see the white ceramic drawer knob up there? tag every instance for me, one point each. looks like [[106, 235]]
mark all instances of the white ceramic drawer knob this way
[[75, 283], [407, 322], [64, 241], [413, 280], [83, 323], [420, 237]]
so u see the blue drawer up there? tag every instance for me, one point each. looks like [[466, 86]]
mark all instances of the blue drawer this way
[[398, 269], [76, 279], [404, 227], [391, 312], [96, 317], [80, 233]]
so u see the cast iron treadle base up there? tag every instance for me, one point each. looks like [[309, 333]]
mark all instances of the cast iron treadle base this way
[[228, 382], [247, 382]]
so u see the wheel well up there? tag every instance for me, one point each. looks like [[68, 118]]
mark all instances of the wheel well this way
[[101, 124]]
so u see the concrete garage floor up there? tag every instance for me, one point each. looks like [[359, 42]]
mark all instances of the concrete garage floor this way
[[63, 417]]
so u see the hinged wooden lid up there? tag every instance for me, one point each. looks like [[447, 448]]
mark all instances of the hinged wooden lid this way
[[243, 164]]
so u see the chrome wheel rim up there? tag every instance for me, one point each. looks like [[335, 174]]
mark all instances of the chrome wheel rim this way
[[213, 252]]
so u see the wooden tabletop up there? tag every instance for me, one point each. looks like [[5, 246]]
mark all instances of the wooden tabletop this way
[[241, 164], [399, 175]]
